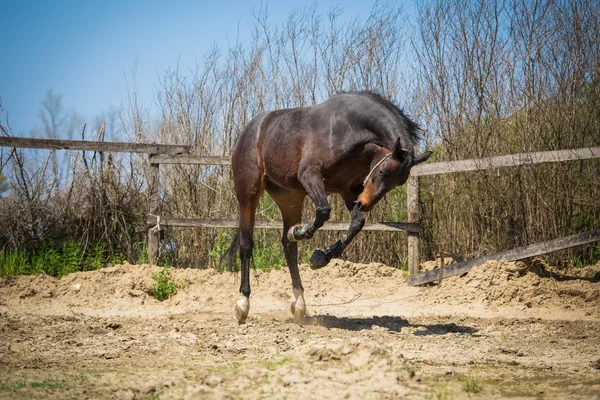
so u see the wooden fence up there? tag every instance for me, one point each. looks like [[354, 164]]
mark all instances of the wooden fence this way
[[176, 154], [154, 219]]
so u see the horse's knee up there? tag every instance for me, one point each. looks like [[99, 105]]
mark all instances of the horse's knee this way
[[323, 213]]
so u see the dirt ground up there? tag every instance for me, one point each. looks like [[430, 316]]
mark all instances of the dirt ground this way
[[505, 330]]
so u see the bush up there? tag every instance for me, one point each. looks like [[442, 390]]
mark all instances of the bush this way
[[54, 260], [165, 287]]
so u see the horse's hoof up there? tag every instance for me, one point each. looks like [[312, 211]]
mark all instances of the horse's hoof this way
[[298, 312], [241, 308], [319, 259]]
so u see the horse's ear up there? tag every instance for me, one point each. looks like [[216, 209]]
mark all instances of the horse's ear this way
[[422, 157], [400, 152]]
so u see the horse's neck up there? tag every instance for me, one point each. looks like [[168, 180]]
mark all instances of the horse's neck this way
[[386, 141]]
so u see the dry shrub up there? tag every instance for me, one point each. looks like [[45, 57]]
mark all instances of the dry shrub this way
[[502, 78], [483, 78]]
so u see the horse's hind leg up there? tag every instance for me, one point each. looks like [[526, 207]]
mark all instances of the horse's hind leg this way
[[247, 212], [321, 257], [290, 205], [248, 188]]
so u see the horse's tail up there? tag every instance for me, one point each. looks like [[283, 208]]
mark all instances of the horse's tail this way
[[229, 258]]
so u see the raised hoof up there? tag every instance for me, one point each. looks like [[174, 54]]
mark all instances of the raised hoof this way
[[319, 259], [241, 309], [298, 313]]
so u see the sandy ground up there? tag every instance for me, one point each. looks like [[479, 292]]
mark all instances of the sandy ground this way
[[504, 330]]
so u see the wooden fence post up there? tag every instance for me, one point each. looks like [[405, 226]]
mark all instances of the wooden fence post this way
[[153, 234], [412, 203]]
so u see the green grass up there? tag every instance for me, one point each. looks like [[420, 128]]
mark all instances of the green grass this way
[[67, 381], [220, 245], [589, 258], [9, 387], [439, 392], [273, 365], [472, 385], [165, 287], [267, 253], [16, 385], [56, 260], [48, 384]]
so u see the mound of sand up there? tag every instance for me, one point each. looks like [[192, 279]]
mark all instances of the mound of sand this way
[[528, 284], [126, 289]]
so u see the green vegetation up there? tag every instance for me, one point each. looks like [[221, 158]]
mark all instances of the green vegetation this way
[[5, 387], [472, 385], [165, 287], [267, 254], [55, 260], [439, 392], [273, 365], [516, 97], [220, 244], [64, 381]]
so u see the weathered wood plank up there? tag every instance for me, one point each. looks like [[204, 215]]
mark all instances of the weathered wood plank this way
[[278, 224], [412, 205], [153, 206], [510, 255], [505, 161], [427, 169], [111, 147], [190, 159]]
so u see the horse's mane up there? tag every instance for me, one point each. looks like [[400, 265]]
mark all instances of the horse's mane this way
[[412, 128]]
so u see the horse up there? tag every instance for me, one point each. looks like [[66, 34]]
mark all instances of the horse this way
[[356, 144]]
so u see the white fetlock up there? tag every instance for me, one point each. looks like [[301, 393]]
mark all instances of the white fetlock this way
[[241, 308], [299, 306]]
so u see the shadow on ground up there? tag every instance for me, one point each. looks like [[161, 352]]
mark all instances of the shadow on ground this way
[[392, 323]]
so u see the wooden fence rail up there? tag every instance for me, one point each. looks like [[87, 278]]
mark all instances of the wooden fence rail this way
[[109, 147], [178, 154], [189, 159], [510, 255], [277, 224], [445, 167], [510, 160]]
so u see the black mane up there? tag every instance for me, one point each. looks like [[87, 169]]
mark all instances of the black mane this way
[[412, 128]]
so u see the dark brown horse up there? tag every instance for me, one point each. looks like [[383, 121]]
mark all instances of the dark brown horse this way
[[356, 144]]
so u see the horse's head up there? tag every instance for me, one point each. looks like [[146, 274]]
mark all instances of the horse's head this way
[[388, 170]]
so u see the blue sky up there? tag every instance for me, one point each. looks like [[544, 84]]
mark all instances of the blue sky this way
[[86, 50]]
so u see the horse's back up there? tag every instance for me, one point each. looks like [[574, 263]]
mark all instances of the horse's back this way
[[327, 136]]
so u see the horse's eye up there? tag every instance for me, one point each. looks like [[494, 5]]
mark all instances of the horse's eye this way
[[383, 172]]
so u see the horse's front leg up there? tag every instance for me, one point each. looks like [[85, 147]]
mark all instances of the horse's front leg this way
[[312, 181], [321, 257]]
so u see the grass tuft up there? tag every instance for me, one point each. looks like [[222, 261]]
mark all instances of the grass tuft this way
[[472, 385]]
